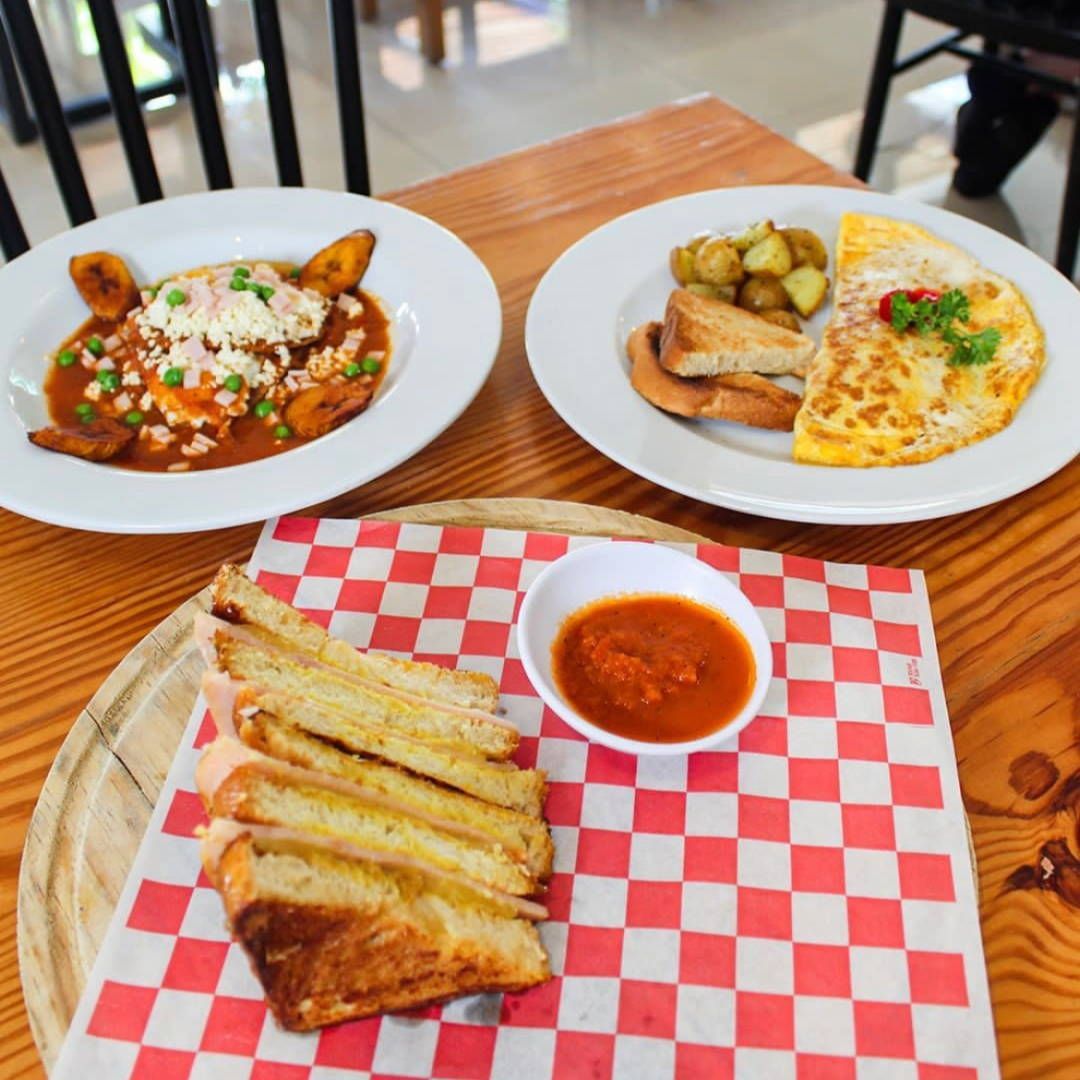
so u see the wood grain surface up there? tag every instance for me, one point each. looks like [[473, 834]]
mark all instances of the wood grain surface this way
[[1004, 581]]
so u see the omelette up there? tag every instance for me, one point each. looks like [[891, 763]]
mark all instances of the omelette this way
[[878, 397]]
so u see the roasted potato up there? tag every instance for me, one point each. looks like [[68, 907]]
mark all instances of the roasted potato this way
[[770, 257], [713, 292], [338, 266], [717, 262], [696, 241], [762, 294], [807, 286], [806, 247], [751, 235], [782, 318], [682, 265], [105, 283]]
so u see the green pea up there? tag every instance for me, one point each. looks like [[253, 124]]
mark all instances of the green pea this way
[[153, 292], [134, 418], [96, 346], [294, 273], [263, 409], [266, 291], [175, 297], [109, 380], [238, 284], [66, 358], [351, 370], [173, 376], [84, 409], [241, 271], [370, 365], [282, 431], [234, 383]]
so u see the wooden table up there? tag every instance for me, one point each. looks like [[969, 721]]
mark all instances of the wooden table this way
[[1003, 581]]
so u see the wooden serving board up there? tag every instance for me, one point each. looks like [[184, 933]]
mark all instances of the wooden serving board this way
[[99, 794]]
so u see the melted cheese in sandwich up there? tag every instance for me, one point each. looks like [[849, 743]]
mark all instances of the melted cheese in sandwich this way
[[876, 397]]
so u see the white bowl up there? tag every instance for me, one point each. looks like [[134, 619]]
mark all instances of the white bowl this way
[[613, 569]]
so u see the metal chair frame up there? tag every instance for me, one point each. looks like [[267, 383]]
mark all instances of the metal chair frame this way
[[996, 29], [189, 22]]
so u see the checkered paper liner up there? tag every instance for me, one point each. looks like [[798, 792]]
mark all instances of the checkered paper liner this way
[[798, 904]]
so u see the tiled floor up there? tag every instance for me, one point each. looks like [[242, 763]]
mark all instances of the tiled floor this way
[[520, 71]]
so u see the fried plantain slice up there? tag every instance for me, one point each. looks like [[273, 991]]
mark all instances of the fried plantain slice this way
[[320, 409], [97, 441], [105, 283], [340, 265]]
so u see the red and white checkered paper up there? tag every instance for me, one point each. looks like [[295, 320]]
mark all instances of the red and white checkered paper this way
[[798, 904]]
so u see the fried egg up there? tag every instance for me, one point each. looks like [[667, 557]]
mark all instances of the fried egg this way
[[878, 397]]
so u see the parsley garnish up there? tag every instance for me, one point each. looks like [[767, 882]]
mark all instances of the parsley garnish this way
[[972, 348], [926, 316]]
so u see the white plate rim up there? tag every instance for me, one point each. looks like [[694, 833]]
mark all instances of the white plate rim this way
[[416, 411], [571, 315]]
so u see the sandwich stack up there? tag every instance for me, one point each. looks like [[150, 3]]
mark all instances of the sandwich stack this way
[[374, 846]]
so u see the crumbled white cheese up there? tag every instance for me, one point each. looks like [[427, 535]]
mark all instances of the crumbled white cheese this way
[[92, 391], [131, 378]]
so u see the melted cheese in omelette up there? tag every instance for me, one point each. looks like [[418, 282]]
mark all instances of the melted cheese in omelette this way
[[876, 397]]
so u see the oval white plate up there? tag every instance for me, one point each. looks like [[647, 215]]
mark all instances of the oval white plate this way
[[617, 277], [599, 570], [445, 321]]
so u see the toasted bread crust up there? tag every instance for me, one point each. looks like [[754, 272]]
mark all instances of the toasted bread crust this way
[[321, 964], [238, 599], [710, 337], [744, 399]]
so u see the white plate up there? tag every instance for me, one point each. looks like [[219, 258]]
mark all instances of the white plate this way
[[599, 570], [617, 277], [445, 324]]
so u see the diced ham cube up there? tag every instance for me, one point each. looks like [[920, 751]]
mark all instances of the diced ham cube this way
[[113, 342], [225, 398], [106, 363], [122, 401], [194, 348], [192, 378]]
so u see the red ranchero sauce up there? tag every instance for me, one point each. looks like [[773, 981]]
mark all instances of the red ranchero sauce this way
[[655, 668]]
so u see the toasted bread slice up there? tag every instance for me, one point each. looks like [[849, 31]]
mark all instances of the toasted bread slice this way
[[502, 784], [237, 598], [524, 838], [744, 399], [239, 783], [702, 336], [257, 657], [334, 939]]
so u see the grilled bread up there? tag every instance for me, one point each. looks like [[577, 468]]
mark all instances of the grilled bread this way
[[744, 399], [242, 709], [702, 336], [259, 657], [334, 937], [524, 837], [236, 598], [240, 783]]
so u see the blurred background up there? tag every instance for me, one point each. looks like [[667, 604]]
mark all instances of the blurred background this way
[[517, 72]]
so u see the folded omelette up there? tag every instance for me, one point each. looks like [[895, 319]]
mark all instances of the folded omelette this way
[[878, 397]]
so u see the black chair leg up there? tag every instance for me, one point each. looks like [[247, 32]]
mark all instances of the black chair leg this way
[[888, 40], [1070, 210]]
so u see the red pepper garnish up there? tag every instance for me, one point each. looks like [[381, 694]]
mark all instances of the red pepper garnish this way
[[914, 295]]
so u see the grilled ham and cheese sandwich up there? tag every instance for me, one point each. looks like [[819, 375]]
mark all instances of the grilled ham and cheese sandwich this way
[[335, 932], [252, 711], [240, 783], [702, 336], [259, 657], [374, 847], [237, 599]]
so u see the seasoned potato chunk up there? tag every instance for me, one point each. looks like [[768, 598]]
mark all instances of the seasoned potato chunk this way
[[782, 318], [806, 247], [807, 287], [682, 265], [751, 235], [762, 294], [713, 292], [770, 257], [718, 263]]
